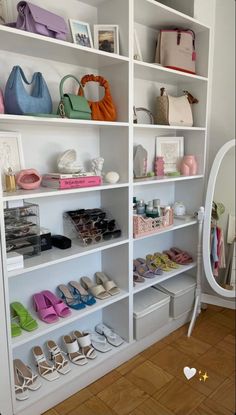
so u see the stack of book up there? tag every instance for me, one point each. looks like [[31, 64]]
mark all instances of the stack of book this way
[[71, 181]]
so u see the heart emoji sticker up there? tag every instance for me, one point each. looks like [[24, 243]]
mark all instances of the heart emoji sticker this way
[[189, 373]]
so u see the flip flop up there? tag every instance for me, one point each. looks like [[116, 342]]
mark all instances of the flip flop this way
[[59, 306], [84, 296], [112, 338], [99, 342], [109, 285], [26, 321], [46, 313], [97, 291]]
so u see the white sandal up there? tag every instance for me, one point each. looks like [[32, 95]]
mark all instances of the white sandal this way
[[97, 291], [73, 352], [99, 342], [31, 379], [112, 338], [45, 370], [109, 285], [61, 364], [84, 341], [21, 389]]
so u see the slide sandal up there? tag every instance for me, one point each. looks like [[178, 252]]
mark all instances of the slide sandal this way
[[73, 352], [72, 301], [61, 364], [97, 291], [138, 278], [99, 342], [112, 338], [46, 313], [45, 370], [109, 285], [15, 330], [21, 389], [182, 256], [26, 321], [84, 341], [79, 291], [59, 306], [31, 379]]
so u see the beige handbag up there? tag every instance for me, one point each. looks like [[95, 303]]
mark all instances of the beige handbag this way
[[175, 110], [176, 50]]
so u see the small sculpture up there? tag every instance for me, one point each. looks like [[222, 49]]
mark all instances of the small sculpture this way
[[97, 166], [112, 177], [67, 164], [140, 162], [159, 166]]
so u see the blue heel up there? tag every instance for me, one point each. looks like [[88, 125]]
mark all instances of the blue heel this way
[[78, 290], [72, 301]]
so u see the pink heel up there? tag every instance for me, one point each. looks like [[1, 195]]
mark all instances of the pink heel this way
[[46, 313], [59, 306]]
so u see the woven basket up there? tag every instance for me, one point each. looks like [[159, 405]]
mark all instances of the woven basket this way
[[147, 226]]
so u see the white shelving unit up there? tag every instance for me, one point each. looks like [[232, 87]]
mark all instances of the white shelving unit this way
[[132, 83]]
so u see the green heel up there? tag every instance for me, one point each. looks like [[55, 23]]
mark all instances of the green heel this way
[[26, 321]]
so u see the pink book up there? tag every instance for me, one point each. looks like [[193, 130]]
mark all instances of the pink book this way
[[72, 183]]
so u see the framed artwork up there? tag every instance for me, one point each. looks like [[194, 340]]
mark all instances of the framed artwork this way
[[137, 50], [11, 154], [106, 38], [81, 33], [172, 150]]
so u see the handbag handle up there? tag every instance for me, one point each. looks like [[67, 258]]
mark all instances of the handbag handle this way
[[95, 78], [63, 81], [19, 69]]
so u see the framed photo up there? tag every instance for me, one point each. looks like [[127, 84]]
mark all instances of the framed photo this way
[[11, 154], [81, 33], [137, 50], [106, 38], [172, 149]]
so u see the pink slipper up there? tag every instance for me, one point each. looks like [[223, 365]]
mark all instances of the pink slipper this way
[[46, 313], [59, 306]]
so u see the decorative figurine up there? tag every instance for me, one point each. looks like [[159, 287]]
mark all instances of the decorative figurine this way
[[112, 177], [140, 162], [159, 166], [67, 164], [97, 166]]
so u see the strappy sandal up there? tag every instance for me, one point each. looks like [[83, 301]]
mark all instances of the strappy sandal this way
[[84, 341], [109, 285], [97, 291], [61, 364], [31, 379], [45, 370], [83, 295], [166, 260], [112, 338], [72, 301], [73, 352], [26, 321], [21, 389], [142, 269]]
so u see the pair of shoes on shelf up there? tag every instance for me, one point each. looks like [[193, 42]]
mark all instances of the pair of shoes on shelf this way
[[75, 296], [178, 256], [113, 338], [162, 260], [48, 371], [49, 307], [79, 347], [145, 269], [21, 319], [25, 379], [103, 288]]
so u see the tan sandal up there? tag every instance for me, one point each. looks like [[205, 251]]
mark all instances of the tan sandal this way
[[21, 389], [109, 285], [97, 291], [31, 379], [85, 344]]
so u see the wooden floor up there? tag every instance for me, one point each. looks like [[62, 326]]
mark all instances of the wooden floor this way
[[152, 383]]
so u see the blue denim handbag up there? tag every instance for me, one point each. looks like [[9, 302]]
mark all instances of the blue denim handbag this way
[[19, 102]]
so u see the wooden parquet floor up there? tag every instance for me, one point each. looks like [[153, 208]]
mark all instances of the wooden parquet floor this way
[[152, 383]]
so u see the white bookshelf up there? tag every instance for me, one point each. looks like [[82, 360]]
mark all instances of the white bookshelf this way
[[132, 83]]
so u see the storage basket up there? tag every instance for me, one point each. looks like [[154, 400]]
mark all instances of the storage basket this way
[[145, 226]]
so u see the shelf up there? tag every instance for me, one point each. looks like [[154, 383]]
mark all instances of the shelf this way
[[48, 192], [160, 278], [167, 127], [156, 16], [55, 255], [178, 224], [157, 73], [30, 44], [76, 372], [54, 122], [44, 328], [159, 180]]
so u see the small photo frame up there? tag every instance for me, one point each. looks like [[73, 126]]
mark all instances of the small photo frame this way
[[81, 33], [172, 149], [106, 38], [137, 50], [11, 154]]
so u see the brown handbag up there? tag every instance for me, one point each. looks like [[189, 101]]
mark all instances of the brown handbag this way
[[103, 110]]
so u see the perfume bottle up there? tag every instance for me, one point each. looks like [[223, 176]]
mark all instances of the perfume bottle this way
[[10, 180]]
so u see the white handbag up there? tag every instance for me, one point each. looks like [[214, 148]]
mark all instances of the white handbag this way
[[176, 50], [175, 110]]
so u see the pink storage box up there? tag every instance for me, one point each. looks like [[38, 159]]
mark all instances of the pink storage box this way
[[146, 226]]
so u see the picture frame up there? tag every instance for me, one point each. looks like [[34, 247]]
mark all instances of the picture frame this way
[[172, 150], [81, 33], [106, 38], [137, 50], [11, 154]]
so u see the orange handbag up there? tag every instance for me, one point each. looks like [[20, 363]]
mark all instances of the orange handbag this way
[[103, 110]]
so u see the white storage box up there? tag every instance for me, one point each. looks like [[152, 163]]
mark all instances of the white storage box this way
[[14, 261], [151, 311], [182, 292]]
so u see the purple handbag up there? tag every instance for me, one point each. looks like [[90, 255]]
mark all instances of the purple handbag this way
[[37, 20]]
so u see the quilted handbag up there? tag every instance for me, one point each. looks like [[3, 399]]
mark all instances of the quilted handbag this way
[[176, 50], [103, 110], [2, 109], [73, 106], [18, 101], [37, 20]]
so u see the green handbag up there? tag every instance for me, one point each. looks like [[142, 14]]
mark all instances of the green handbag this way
[[73, 106]]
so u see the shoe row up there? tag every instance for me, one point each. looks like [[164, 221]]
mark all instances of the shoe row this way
[[158, 263]]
